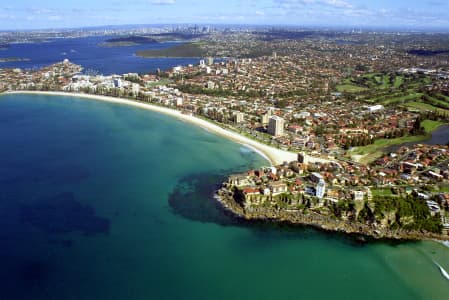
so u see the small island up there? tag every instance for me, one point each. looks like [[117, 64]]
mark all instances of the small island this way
[[128, 41], [182, 50]]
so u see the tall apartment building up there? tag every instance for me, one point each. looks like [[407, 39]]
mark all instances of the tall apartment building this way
[[321, 189], [276, 126], [239, 117]]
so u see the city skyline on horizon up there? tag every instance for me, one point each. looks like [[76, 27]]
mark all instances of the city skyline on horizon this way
[[29, 15]]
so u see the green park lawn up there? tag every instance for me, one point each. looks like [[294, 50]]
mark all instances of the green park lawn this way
[[409, 97], [349, 88], [430, 125], [372, 152], [424, 106]]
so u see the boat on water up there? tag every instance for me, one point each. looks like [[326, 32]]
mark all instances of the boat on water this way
[[443, 271]]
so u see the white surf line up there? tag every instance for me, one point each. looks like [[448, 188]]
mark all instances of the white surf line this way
[[254, 149], [442, 270]]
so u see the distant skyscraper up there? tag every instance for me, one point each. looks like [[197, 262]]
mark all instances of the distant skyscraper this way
[[321, 189], [276, 126]]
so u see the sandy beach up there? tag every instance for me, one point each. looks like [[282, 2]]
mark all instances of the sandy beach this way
[[273, 155]]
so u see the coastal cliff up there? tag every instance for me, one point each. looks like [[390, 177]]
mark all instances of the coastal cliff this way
[[327, 223]]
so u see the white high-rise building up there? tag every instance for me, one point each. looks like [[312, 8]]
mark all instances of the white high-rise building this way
[[276, 126], [321, 189], [239, 117]]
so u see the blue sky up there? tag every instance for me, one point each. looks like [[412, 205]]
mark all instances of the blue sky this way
[[35, 14]]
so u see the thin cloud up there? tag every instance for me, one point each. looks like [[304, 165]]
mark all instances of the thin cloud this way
[[437, 3], [7, 17], [339, 3], [55, 18], [163, 2], [323, 3]]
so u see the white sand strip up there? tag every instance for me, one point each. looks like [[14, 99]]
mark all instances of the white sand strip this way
[[275, 156]]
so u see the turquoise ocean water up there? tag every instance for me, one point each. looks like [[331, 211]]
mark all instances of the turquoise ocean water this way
[[106, 201]]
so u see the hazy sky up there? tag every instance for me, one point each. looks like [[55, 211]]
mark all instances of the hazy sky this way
[[32, 14]]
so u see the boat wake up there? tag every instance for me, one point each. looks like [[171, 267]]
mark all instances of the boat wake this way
[[443, 271]]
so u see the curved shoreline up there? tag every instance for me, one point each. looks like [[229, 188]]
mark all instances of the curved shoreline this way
[[273, 155]]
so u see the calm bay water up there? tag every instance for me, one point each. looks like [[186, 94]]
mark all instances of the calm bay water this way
[[439, 136], [87, 52], [104, 201]]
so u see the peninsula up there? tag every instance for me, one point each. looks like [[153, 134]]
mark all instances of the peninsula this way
[[128, 41], [344, 196], [189, 49]]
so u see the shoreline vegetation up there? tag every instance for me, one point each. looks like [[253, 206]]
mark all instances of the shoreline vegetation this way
[[273, 155], [185, 50]]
